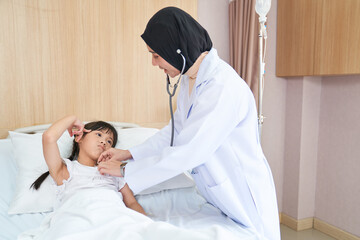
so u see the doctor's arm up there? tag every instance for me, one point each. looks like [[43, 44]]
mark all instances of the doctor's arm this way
[[218, 110]]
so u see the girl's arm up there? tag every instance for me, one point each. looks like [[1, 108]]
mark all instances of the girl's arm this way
[[57, 167], [130, 200]]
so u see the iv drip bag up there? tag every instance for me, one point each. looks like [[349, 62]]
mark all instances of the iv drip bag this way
[[262, 7]]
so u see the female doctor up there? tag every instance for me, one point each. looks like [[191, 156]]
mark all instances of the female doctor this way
[[215, 129]]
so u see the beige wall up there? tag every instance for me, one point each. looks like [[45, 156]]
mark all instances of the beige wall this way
[[213, 15], [301, 146], [321, 163], [338, 175]]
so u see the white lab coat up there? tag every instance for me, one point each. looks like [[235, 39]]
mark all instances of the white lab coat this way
[[216, 136]]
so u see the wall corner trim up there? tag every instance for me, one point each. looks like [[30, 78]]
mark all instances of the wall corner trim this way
[[297, 224], [312, 222], [333, 231]]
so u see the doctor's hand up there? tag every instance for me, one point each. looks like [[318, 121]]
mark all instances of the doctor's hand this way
[[114, 154], [111, 167], [111, 161]]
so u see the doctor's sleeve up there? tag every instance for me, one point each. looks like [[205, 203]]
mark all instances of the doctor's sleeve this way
[[218, 110]]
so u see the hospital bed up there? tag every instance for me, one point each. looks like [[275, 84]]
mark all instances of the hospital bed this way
[[175, 201]]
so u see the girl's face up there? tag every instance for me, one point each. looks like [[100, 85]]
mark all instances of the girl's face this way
[[95, 142], [164, 65]]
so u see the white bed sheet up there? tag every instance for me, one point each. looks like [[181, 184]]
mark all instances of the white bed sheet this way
[[182, 207]]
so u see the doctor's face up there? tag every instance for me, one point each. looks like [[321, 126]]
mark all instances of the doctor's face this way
[[164, 65]]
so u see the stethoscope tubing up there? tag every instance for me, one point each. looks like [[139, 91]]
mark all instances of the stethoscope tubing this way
[[171, 94]]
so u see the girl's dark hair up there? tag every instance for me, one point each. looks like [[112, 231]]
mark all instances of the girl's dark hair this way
[[93, 126]]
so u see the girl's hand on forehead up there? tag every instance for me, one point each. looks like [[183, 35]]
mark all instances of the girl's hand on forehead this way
[[79, 134], [77, 129]]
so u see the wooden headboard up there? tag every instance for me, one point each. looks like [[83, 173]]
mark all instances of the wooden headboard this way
[[86, 58]]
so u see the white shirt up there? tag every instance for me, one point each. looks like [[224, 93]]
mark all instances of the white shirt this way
[[216, 136], [85, 177]]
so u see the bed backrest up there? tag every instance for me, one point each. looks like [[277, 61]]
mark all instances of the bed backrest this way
[[43, 127]]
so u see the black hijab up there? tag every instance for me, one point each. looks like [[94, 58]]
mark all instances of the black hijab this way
[[170, 29]]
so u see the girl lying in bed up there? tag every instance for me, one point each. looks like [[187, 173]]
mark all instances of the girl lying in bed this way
[[90, 205], [80, 171]]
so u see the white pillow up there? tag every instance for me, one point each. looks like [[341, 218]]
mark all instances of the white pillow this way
[[130, 137], [7, 171], [27, 149]]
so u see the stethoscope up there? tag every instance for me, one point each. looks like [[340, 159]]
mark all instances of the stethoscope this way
[[171, 94]]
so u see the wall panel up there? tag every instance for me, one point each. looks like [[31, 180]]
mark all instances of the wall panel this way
[[63, 57]]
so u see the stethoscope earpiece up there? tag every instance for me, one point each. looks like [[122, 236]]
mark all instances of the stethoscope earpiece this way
[[184, 62]]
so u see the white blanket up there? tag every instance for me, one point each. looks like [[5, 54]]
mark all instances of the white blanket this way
[[101, 214]]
